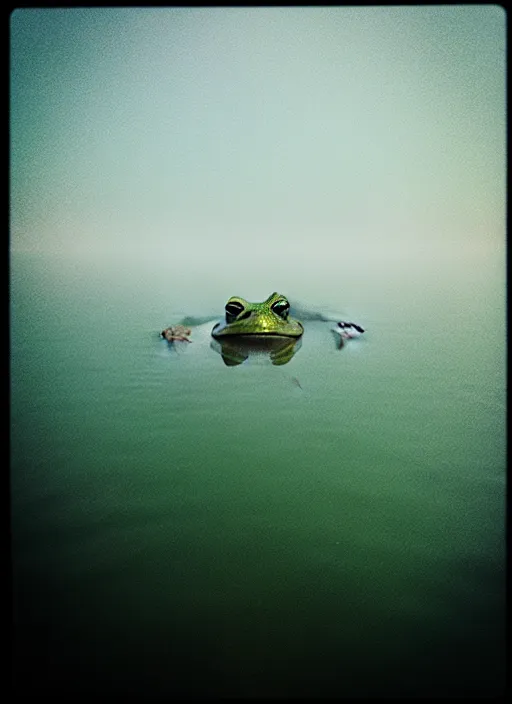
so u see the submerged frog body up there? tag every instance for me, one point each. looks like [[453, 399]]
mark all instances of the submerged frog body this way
[[235, 349]]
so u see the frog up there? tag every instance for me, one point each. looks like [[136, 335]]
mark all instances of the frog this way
[[272, 317], [252, 328]]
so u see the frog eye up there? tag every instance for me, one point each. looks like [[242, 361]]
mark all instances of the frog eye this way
[[281, 308], [233, 310]]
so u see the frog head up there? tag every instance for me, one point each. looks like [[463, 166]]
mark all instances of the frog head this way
[[270, 318]]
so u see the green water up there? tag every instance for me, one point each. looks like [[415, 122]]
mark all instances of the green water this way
[[183, 528]]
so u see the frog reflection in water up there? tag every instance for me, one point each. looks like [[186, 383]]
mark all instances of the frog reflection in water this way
[[250, 329]]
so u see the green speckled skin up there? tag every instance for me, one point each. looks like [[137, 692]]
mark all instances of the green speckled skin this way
[[267, 318]]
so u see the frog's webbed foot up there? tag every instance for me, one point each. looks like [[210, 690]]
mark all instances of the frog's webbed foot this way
[[346, 331], [179, 333]]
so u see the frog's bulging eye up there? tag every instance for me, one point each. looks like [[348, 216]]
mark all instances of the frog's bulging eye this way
[[281, 308], [233, 310]]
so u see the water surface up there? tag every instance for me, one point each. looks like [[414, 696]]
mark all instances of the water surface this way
[[185, 528]]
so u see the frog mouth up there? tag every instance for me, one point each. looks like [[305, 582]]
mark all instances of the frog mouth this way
[[260, 335], [270, 333]]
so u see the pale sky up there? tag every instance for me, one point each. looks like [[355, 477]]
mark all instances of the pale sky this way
[[257, 134]]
